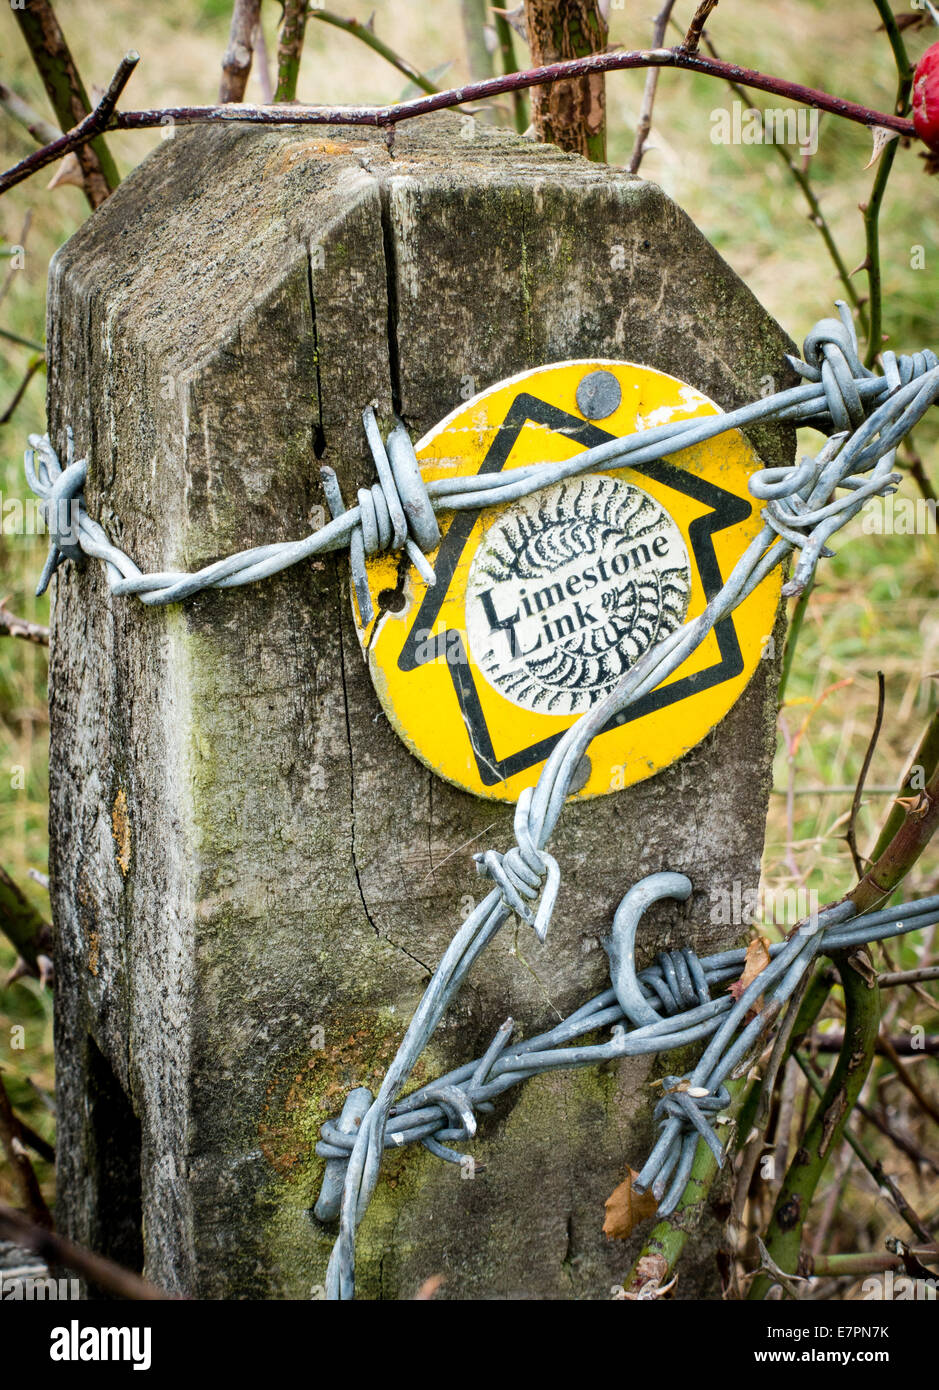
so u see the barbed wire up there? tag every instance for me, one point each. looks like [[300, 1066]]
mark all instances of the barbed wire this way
[[681, 983], [400, 509], [866, 415]]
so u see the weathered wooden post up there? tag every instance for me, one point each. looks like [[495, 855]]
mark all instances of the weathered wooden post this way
[[253, 876]]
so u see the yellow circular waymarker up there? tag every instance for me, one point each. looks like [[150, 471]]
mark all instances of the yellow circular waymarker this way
[[541, 605]]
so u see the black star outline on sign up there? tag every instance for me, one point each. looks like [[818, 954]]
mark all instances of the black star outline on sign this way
[[726, 509]]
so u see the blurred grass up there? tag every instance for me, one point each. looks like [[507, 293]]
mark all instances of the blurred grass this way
[[874, 607]]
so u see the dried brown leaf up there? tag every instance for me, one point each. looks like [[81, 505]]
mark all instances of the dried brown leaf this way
[[757, 959], [625, 1208]]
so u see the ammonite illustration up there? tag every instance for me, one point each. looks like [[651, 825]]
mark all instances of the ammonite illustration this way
[[569, 588]]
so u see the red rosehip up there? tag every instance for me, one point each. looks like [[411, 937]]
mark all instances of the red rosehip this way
[[926, 97]]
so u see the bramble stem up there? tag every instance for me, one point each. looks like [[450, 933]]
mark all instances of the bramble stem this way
[[668, 1237], [899, 855], [66, 91], [509, 65], [924, 764], [792, 638], [290, 49], [862, 1021]]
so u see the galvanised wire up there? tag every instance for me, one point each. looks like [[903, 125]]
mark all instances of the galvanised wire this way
[[866, 416], [443, 1110], [840, 394]]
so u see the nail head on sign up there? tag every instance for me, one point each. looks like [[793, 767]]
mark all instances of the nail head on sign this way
[[598, 395]]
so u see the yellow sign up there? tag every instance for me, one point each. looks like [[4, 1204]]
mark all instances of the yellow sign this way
[[541, 605]]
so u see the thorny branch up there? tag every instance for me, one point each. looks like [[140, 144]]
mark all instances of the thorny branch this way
[[290, 49], [924, 763], [873, 1166], [862, 1018], [103, 118], [509, 65], [696, 27], [871, 210], [898, 857]]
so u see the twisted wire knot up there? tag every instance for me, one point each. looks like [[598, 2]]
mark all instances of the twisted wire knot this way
[[801, 506], [831, 356], [61, 492], [395, 513], [678, 980], [521, 871], [695, 1108], [869, 415], [442, 1110]]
